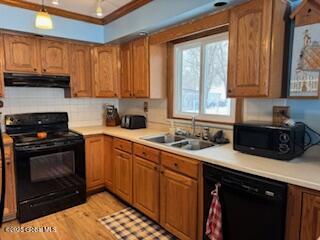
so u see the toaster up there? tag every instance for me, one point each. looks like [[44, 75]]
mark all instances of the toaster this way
[[133, 121]]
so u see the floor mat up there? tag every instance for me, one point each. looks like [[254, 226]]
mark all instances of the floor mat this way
[[130, 224]]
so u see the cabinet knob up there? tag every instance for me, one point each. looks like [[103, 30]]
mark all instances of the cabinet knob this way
[[162, 172], [229, 91], [115, 94], [176, 165], [34, 69], [156, 168], [144, 153], [75, 94], [44, 70]]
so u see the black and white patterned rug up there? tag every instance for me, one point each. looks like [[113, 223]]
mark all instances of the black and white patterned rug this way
[[130, 224]]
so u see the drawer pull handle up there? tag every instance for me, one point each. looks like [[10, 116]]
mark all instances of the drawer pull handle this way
[[156, 168], [176, 165]]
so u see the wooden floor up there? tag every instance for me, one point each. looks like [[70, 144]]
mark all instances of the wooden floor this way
[[80, 222]]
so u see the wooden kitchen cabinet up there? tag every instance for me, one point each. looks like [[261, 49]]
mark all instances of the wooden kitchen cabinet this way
[[126, 70], [303, 214], [140, 55], [95, 162], [106, 71], [80, 70], [256, 48], [21, 54], [178, 204], [2, 63], [123, 175], [108, 162], [10, 197], [54, 57], [143, 69], [146, 187]]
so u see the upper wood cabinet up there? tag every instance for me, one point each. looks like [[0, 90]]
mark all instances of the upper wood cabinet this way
[[126, 70], [21, 53], [256, 48], [80, 70], [140, 54], [143, 69], [106, 71], [54, 57], [146, 187], [95, 162], [108, 162]]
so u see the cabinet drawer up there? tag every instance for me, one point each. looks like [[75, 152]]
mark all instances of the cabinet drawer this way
[[146, 152], [122, 145], [180, 164]]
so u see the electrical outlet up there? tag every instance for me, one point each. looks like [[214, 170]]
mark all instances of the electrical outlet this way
[[280, 114], [145, 107]]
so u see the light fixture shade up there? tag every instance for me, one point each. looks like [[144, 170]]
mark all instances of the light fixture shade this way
[[43, 20], [99, 11], [55, 2]]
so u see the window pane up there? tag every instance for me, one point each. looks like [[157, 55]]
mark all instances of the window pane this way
[[190, 80], [215, 79]]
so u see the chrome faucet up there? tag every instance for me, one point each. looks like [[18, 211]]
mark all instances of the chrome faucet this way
[[193, 126]]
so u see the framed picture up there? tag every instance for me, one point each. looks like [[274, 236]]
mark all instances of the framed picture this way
[[305, 65]]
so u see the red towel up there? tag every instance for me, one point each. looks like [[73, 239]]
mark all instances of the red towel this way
[[214, 221]]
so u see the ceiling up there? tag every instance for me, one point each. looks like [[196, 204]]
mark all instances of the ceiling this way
[[85, 7]]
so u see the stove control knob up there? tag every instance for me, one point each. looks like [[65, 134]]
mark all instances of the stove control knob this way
[[284, 148], [284, 137]]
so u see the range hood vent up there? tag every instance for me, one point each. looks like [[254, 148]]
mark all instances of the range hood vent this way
[[30, 80]]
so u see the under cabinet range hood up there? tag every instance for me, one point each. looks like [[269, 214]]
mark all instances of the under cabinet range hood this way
[[31, 80]]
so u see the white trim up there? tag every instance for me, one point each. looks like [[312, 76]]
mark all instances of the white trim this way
[[178, 48]]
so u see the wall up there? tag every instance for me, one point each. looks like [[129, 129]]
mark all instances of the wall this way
[[19, 19], [82, 112]]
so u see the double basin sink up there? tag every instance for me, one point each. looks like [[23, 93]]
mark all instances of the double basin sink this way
[[180, 142]]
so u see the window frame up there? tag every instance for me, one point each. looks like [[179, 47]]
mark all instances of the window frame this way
[[176, 79]]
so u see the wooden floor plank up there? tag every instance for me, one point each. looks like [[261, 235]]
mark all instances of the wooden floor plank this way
[[77, 223]]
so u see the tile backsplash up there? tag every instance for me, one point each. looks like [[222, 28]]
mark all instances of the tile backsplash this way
[[81, 111]]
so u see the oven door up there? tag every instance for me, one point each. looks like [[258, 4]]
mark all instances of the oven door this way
[[49, 169]]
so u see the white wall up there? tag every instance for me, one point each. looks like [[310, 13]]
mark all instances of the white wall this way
[[81, 111]]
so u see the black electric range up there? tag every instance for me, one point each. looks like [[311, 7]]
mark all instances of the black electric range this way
[[50, 171]]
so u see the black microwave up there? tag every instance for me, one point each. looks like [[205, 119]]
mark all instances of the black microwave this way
[[277, 142]]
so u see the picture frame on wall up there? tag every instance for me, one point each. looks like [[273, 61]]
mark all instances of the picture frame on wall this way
[[304, 75]]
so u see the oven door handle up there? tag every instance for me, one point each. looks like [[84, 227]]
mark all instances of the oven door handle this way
[[26, 149]]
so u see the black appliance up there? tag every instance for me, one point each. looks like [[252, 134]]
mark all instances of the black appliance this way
[[278, 142], [252, 207], [50, 167], [3, 179], [133, 121], [32, 80]]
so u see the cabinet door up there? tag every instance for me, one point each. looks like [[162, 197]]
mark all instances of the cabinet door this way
[[106, 71], [80, 70], [21, 53], [123, 175], [249, 49], [94, 162], [146, 187], [310, 224], [126, 70], [1, 66], [141, 67], [178, 199], [54, 57], [108, 162], [10, 197]]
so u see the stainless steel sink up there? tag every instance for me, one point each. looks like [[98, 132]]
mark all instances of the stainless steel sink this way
[[180, 142], [192, 144], [165, 139]]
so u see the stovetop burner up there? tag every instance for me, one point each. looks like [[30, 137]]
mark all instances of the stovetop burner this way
[[32, 138]]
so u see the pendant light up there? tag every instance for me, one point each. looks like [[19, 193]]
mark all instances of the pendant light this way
[[99, 9], [55, 2], [43, 19]]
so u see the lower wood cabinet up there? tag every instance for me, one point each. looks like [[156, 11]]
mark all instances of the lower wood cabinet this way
[[108, 162], [10, 197], [146, 187], [95, 162], [303, 214], [310, 218], [178, 204], [123, 175]]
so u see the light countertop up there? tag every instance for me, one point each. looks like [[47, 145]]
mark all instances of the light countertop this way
[[303, 171]]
